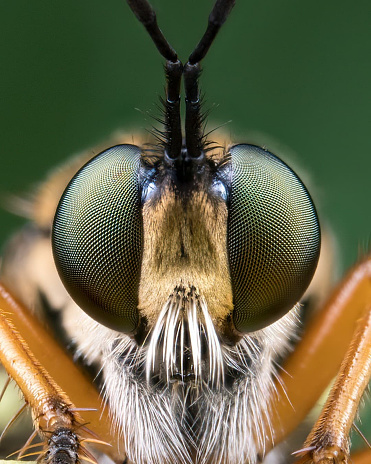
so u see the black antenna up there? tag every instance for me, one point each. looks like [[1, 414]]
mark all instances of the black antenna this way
[[192, 71], [174, 69]]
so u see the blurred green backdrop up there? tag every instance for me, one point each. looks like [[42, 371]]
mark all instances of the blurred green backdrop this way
[[297, 73]]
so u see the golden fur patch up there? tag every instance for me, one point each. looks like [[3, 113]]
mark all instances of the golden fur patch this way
[[185, 246]]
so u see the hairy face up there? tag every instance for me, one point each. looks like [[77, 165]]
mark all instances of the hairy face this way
[[215, 413]]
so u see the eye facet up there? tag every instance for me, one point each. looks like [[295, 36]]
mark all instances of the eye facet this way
[[97, 237], [273, 237]]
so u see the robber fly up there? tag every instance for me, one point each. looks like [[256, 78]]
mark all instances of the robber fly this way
[[177, 267]]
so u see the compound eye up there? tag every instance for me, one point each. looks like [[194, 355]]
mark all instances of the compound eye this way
[[273, 237], [97, 237]]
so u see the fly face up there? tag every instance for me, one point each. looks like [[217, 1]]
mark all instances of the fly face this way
[[186, 250], [189, 258], [186, 272]]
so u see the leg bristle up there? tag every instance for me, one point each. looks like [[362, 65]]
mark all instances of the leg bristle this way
[[4, 388], [12, 420]]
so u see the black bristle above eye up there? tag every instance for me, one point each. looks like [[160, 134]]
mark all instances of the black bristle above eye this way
[[163, 135]]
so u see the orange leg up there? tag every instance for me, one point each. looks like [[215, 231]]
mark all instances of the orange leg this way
[[328, 441], [362, 457], [52, 409], [317, 358]]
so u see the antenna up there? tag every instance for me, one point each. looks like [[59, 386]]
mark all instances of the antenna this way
[[174, 70]]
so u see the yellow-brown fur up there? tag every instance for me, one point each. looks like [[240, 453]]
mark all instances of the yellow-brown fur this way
[[194, 254]]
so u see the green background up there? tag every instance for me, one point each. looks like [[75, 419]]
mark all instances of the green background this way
[[293, 75]]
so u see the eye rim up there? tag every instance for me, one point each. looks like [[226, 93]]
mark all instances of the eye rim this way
[[93, 309], [236, 327]]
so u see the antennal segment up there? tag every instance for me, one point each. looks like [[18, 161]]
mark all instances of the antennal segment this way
[[147, 16], [192, 71], [217, 18], [174, 70]]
